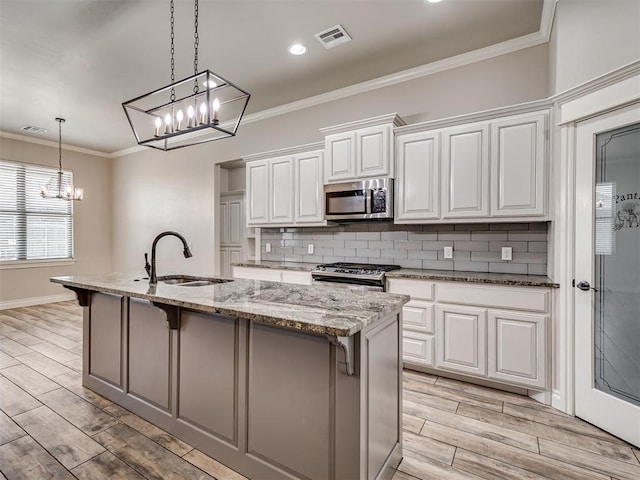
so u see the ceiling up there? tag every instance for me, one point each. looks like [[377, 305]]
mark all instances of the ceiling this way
[[80, 59]]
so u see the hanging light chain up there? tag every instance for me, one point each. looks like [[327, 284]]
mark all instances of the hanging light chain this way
[[196, 43], [173, 64], [60, 121]]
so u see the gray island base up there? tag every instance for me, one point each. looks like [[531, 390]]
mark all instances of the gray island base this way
[[275, 381]]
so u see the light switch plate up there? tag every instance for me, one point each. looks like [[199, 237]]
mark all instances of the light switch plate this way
[[448, 252], [310, 249], [507, 253], [267, 247]]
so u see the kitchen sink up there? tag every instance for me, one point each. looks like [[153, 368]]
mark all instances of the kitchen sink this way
[[190, 281]]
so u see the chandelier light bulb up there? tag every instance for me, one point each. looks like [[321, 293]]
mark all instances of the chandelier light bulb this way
[[203, 113], [190, 115], [179, 117], [167, 123], [216, 107], [158, 125]]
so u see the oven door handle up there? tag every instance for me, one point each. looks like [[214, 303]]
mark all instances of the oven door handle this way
[[368, 200]]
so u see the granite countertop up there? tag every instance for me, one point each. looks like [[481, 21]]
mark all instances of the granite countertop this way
[[419, 274], [300, 266], [318, 309], [474, 277]]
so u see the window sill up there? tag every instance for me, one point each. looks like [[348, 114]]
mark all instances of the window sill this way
[[18, 264]]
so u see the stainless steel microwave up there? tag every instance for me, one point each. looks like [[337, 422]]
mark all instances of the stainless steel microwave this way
[[365, 199]]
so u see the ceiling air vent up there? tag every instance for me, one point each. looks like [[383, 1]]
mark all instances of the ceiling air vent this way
[[32, 129], [333, 37]]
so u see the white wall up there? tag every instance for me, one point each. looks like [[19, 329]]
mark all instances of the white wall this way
[[591, 38], [155, 191], [92, 222]]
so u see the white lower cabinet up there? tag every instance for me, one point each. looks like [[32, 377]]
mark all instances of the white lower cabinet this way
[[486, 331], [461, 339], [515, 341]]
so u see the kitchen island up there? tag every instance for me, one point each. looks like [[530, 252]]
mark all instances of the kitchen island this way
[[273, 380]]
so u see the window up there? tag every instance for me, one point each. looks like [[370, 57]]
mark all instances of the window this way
[[32, 227]]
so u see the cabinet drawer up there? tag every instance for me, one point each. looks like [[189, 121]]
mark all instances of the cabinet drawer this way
[[257, 274], [417, 348], [499, 297], [417, 315], [418, 289], [302, 278]]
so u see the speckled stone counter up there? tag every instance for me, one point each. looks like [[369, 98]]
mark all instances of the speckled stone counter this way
[[317, 309], [212, 365], [474, 277], [297, 266]]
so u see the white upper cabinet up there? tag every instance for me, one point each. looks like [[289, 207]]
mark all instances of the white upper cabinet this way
[[281, 190], [341, 156], [518, 165], [374, 151], [360, 149], [490, 170], [465, 165], [258, 192], [418, 180], [285, 187], [309, 191]]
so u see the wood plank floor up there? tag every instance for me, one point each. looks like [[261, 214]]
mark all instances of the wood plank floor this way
[[53, 428]]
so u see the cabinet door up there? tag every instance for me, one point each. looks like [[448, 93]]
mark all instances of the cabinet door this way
[[258, 193], [340, 161], [417, 348], [518, 158], [235, 256], [461, 339], [465, 176], [235, 224], [418, 176], [281, 190], [224, 223], [225, 269], [517, 348], [309, 191], [373, 151]]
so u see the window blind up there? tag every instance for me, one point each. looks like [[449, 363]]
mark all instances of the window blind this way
[[32, 227]]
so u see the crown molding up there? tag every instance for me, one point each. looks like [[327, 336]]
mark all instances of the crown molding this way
[[509, 46], [284, 151], [486, 53], [49, 143]]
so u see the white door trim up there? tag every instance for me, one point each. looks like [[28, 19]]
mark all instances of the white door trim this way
[[565, 115]]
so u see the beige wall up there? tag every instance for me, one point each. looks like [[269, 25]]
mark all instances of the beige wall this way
[[92, 221], [591, 38], [156, 191]]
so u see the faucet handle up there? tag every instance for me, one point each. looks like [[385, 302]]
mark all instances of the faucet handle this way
[[147, 267]]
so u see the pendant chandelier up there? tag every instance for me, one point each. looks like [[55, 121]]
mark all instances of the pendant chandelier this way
[[59, 185], [201, 108]]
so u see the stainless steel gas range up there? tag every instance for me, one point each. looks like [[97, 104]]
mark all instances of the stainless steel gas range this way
[[352, 275]]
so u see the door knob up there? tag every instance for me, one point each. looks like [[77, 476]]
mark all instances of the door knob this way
[[584, 286]]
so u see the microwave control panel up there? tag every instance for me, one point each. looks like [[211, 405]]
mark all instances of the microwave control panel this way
[[379, 201]]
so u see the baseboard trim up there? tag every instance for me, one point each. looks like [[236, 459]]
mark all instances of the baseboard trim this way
[[28, 302]]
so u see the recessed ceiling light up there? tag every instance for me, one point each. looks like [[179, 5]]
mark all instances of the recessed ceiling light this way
[[432, 1], [297, 49]]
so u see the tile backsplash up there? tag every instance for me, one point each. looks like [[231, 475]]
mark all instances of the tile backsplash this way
[[476, 247]]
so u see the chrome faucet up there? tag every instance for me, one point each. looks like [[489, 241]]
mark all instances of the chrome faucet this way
[[153, 279]]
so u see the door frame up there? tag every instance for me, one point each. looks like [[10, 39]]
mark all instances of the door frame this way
[[609, 92], [597, 407]]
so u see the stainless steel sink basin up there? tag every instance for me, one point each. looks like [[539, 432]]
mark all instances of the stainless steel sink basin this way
[[190, 281]]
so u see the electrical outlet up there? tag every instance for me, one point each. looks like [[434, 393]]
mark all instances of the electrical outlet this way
[[310, 249], [448, 252], [267, 247], [507, 253]]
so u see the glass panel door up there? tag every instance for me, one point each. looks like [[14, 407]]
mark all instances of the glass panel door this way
[[617, 264]]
